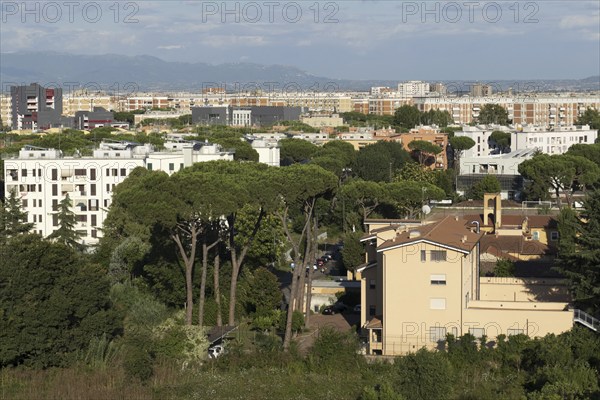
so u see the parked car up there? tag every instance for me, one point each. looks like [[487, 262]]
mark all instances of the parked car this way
[[216, 351], [337, 308], [327, 257], [320, 262]]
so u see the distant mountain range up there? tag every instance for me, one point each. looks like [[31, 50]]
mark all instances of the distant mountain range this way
[[125, 74]]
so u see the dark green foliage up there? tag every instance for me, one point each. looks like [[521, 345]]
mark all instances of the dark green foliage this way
[[424, 375], [424, 151], [298, 126], [52, 302], [66, 233], [493, 114], [261, 292], [371, 120], [295, 150], [297, 321], [407, 117], [353, 253], [334, 349], [504, 268], [580, 258], [589, 151], [381, 392], [243, 149], [138, 364], [590, 117], [501, 139], [379, 161], [489, 184], [13, 220]]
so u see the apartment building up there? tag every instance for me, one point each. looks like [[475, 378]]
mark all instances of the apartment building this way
[[479, 90], [480, 134], [542, 110], [555, 141], [431, 135], [420, 283], [99, 117], [505, 167], [322, 120], [411, 89], [43, 177], [6, 110], [464, 109], [35, 107], [244, 116], [74, 103]]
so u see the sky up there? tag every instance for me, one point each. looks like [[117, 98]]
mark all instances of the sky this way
[[362, 39]]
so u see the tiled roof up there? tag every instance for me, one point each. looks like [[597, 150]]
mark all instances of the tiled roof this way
[[534, 221], [500, 245], [450, 231]]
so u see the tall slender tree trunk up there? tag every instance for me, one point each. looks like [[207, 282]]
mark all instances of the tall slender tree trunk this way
[[308, 263], [298, 270], [238, 259], [310, 278], [189, 270], [205, 249], [217, 289]]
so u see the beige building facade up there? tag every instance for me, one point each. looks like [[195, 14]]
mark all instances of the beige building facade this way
[[421, 283]]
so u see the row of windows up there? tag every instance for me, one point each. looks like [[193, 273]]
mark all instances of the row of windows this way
[[435, 279], [36, 203]]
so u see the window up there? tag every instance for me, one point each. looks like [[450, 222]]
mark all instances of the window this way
[[23, 172], [171, 166], [512, 332], [24, 202], [536, 235], [115, 172], [477, 332], [372, 284], [123, 172], [107, 172], [438, 255], [40, 218], [80, 172], [437, 303], [94, 220], [438, 279], [553, 235], [437, 333], [39, 203], [54, 205], [54, 174], [423, 255], [93, 174], [54, 220], [149, 166], [93, 189], [108, 187], [372, 310], [94, 233], [181, 166], [54, 190]]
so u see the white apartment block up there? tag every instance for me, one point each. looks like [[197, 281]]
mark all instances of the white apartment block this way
[[481, 135], [413, 89], [268, 151], [498, 164], [44, 177], [556, 141]]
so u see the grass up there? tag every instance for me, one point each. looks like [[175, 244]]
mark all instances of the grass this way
[[170, 382]]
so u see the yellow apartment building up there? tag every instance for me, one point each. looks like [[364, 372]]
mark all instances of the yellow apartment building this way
[[422, 282]]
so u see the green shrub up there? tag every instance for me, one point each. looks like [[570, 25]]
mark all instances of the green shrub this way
[[137, 364]]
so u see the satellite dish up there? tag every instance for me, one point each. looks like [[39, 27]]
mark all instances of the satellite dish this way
[[426, 209]]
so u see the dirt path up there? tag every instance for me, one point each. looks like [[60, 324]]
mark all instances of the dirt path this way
[[339, 322]]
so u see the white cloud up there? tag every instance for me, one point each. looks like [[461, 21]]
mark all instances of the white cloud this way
[[579, 21], [171, 47]]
